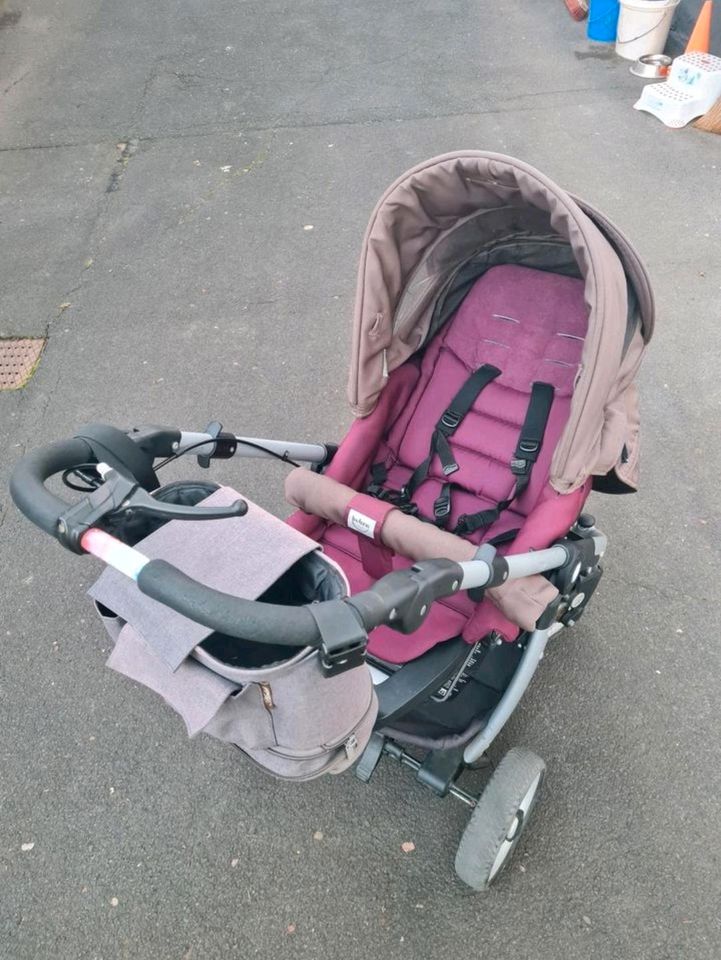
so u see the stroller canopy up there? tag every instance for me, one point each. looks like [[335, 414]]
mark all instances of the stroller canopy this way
[[448, 220]]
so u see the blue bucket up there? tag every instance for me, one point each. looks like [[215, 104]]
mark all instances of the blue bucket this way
[[602, 20]]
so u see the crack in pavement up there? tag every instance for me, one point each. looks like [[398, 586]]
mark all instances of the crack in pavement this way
[[128, 149], [16, 82], [262, 125]]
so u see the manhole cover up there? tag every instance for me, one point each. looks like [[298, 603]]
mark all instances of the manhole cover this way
[[18, 359]]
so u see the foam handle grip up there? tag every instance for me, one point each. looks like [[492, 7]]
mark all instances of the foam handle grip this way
[[27, 484]]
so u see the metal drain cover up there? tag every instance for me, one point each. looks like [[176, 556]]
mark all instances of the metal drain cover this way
[[18, 359]]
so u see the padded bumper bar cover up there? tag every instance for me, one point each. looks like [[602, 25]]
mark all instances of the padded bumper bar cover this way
[[521, 601], [320, 495]]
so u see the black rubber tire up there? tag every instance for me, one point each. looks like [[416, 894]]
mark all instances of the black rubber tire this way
[[494, 816]]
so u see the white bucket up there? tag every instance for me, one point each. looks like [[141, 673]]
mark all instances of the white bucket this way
[[643, 27]]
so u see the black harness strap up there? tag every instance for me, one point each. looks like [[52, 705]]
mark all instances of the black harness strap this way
[[526, 454], [445, 428], [379, 475], [508, 536]]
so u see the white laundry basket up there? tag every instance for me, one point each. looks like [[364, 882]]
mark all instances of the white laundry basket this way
[[643, 27]]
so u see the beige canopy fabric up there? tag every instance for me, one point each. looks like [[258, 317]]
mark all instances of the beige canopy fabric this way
[[471, 205]]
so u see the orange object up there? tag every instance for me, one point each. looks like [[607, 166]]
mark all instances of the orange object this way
[[700, 39], [577, 8]]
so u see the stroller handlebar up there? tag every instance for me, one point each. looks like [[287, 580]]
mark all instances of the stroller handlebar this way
[[27, 484], [401, 599]]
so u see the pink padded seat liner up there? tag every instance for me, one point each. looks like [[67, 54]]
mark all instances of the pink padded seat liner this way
[[528, 323]]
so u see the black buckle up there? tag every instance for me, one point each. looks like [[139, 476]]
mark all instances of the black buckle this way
[[342, 658], [480, 520], [450, 419], [450, 468], [520, 467], [442, 507], [408, 507], [461, 527]]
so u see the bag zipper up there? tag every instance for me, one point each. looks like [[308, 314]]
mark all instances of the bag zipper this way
[[349, 741], [266, 695]]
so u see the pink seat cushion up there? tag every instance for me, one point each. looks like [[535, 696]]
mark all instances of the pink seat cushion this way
[[531, 325]]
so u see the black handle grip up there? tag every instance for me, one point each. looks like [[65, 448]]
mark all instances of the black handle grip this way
[[27, 484], [249, 619], [401, 599]]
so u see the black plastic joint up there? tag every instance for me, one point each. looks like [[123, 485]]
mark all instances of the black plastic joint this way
[[403, 599], [440, 769], [343, 638], [442, 507], [330, 451], [155, 441], [84, 514], [225, 446], [549, 615], [432, 580], [500, 571]]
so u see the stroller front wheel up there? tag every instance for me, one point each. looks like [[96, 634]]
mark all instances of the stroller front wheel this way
[[499, 818]]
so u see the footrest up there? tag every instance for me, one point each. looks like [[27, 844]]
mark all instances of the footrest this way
[[419, 679]]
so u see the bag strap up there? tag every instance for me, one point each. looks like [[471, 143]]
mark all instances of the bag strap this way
[[525, 455]]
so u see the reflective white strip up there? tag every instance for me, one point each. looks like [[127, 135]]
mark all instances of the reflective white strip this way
[[111, 551], [361, 523]]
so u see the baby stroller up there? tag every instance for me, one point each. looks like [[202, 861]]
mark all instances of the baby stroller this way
[[499, 325]]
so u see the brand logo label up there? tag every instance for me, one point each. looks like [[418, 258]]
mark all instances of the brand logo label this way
[[361, 523]]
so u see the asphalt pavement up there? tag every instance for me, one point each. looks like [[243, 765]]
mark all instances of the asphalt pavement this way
[[161, 166]]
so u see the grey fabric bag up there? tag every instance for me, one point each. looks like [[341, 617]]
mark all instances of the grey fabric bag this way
[[274, 703]]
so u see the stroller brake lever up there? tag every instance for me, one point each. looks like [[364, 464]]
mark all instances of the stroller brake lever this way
[[121, 494], [139, 501]]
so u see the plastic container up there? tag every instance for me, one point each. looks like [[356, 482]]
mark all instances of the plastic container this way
[[602, 20], [643, 27]]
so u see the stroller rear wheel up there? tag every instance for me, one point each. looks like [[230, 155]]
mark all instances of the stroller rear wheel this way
[[499, 818]]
